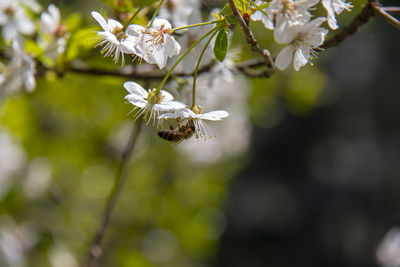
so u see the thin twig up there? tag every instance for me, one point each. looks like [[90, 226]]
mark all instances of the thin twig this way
[[386, 16], [120, 179], [156, 74], [251, 39], [391, 9]]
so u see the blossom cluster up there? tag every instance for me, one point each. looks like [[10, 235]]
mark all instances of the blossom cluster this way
[[292, 23], [156, 43], [16, 25], [291, 20]]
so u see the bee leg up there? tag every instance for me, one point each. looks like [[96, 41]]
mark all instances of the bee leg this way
[[178, 120]]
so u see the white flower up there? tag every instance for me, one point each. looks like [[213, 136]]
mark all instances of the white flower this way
[[155, 44], [181, 12], [335, 6], [202, 130], [150, 103], [303, 39], [279, 13], [14, 20], [20, 71], [116, 40], [54, 39], [50, 20]]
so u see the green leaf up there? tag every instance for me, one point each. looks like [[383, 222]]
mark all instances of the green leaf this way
[[226, 10], [221, 45]]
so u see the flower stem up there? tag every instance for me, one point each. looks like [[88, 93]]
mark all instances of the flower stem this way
[[119, 182], [195, 25], [155, 13], [198, 66], [181, 57]]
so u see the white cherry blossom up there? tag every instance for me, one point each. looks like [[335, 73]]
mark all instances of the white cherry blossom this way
[[202, 130], [335, 7], [155, 44], [14, 20], [53, 39], [20, 72], [149, 103], [116, 41], [280, 13], [50, 20], [303, 40]]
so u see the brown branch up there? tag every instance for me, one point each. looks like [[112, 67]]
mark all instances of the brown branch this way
[[392, 9], [251, 39], [386, 16], [120, 179]]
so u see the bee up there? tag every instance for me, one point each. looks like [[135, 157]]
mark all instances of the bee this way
[[183, 132]]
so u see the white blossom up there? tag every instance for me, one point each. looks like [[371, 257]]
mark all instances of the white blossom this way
[[14, 20], [54, 36], [116, 41], [282, 13], [202, 130], [19, 72], [303, 40], [335, 7], [150, 104], [155, 44]]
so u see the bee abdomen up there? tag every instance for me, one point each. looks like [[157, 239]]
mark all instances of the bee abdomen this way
[[170, 135]]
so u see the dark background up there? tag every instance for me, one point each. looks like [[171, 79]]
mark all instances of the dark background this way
[[323, 189]]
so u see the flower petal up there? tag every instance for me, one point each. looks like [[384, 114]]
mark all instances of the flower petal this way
[[55, 13], [299, 59], [136, 89], [166, 96], [158, 23], [284, 57], [47, 24], [167, 116], [99, 18], [141, 103], [129, 45], [216, 115], [160, 57], [185, 113], [112, 23], [134, 30], [172, 47], [109, 37]]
